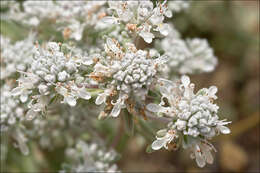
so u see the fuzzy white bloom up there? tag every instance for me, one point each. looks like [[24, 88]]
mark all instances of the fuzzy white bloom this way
[[201, 152], [140, 17], [178, 5], [189, 56], [75, 15], [164, 139], [25, 85], [21, 140], [194, 115], [12, 114], [17, 56], [130, 72], [122, 76], [11, 111], [54, 66], [90, 158]]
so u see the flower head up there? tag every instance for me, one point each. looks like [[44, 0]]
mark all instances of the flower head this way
[[194, 116], [125, 73], [145, 21]]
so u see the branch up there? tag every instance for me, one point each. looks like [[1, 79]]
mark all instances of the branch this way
[[161, 119]]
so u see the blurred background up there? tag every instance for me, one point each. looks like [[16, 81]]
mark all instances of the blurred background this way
[[232, 29]]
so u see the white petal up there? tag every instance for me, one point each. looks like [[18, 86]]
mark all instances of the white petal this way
[[161, 132], [87, 61], [164, 91], [147, 36], [158, 144], [30, 115], [163, 59], [84, 94], [61, 90], [23, 97], [101, 98], [209, 157], [70, 100], [168, 14], [111, 45], [164, 29], [213, 90], [200, 159], [185, 80], [17, 91], [116, 110], [224, 129], [101, 68], [153, 107], [109, 20]]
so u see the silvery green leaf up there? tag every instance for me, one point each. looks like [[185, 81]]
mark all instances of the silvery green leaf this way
[[158, 144], [161, 133]]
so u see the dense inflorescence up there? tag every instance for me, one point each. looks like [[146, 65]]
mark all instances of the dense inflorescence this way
[[124, 75], [188, 56], [194, 118], [114, 59], [54, 69], [70, 17], [16, 56], [89, 157]]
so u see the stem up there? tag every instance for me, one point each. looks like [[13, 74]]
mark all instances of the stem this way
[[119, 133], [161, 119], [94, 92]]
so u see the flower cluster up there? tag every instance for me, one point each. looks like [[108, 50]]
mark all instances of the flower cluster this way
[[90, 158], [140, 17], [56, 69], [115, 69], [194, 117], [178, 5], [16, 56], [11, 119], [125, 74], [71, 17], [11, 110], [188, 56]]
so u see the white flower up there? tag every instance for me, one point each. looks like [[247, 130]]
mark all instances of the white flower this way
[[16, 57], [181, 124], [164, 138], [90, 157], [201, 152], [71, 95], [43, 89], [62, 76], [178, 5], [147, 19], [26, 83], [81, 14], [188, 56], [80, 92], [11, 111], [194, 117], [101, 98], [145, 9], [52, 64], [21, 141], [120, 104], [147, 36], [163, 29], [125, 73], [36, 105]]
